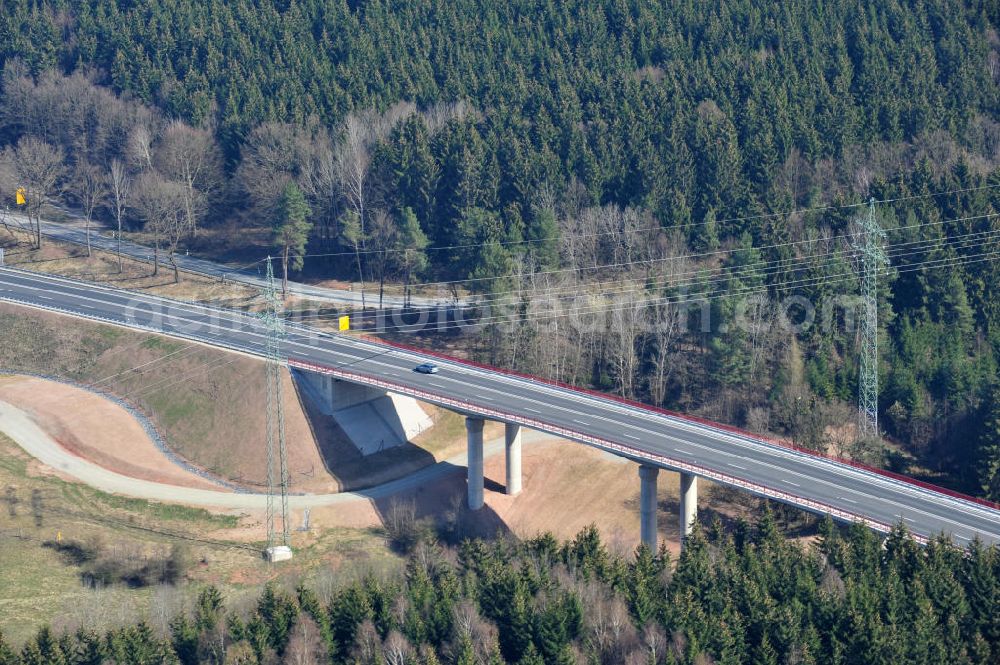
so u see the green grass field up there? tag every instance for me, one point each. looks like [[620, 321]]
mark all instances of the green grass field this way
[[38, 586]]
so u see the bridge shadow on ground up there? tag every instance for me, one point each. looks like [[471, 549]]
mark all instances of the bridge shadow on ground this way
[[439, 508], [345, 463], [729, 506]]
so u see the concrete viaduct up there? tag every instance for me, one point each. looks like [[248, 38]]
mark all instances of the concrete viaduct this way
[[654, 439], [512, 448]]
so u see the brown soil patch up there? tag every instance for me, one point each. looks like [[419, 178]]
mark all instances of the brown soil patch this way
[[208, 404], [567, 486], [97, 429]]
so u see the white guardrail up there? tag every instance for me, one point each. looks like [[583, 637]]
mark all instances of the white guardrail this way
[[604, 444], [611, 446]]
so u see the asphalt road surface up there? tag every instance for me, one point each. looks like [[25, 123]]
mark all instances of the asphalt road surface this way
[[676, 443]]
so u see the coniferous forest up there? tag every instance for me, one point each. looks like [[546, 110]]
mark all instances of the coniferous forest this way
[[522, 149], [530, 152], [749, 597], [537, 155]]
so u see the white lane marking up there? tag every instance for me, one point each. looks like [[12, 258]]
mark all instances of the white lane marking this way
[[581, 422], [75, 289], [758, 447], [528, 408], [488, 399], [770, 449], [742, 441], [632, 411], [737, 466], [844, 498], [631, 436], [962, 537], [791, 483], [45, 297]]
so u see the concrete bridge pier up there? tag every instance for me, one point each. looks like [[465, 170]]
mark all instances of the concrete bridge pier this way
[[647, 504], [513, 448], [474, 427], [689, 503]]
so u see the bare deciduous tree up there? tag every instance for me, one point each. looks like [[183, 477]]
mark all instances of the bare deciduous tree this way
[[192, 158], [305, 647], [397, 650], [87, 120], [470, 627], [351, 233], [163, 205], [610, 628], [666, 331], [367, 645], [241, 653], [438, 115], [274, 154], [120, 187], [140, 147], [382, 236], [320, 181], [627, 318], [91, 189], [654, 639], [38, 168], [353, 160]]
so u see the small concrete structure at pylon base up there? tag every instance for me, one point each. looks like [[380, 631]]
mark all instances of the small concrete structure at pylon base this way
[[278, 553]]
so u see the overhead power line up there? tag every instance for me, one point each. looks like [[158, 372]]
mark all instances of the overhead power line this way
[[759, 270], [605, 308], [660, 260], [676, 258]]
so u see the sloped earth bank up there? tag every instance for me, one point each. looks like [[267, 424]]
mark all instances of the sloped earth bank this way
[[567, 486], [207, 405], [97, 429]]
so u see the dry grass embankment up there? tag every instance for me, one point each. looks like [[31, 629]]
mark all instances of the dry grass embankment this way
[[208, 404], [130, 540]]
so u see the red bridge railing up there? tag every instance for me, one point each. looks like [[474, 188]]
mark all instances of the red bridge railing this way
[[694, 419]]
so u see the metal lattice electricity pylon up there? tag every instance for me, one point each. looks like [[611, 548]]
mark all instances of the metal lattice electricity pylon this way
[[275, 325], [873, 259]]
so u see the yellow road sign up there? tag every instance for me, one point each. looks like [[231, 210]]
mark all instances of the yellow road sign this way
[[20, 197], [344, 323]]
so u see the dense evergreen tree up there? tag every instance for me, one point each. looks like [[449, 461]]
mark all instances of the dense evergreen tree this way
[[580, 142], [748, 597]]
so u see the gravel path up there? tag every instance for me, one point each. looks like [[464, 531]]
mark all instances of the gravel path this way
[[16, 424]]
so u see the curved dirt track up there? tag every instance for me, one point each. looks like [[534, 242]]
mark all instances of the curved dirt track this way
[[19, 426]]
